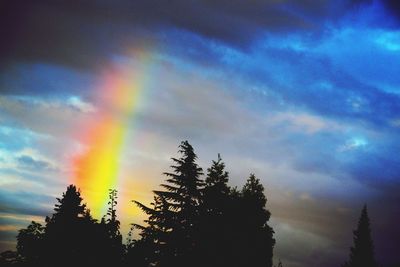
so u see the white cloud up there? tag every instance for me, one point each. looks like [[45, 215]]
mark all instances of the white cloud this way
[[78, 103], [353, 144], [304, 122]]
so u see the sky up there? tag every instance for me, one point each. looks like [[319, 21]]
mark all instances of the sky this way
[[305, 94]]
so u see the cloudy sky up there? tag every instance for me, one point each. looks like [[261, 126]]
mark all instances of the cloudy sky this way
[[305, 94]]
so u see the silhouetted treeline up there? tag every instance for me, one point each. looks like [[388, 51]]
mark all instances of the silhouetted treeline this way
[[70, 237], [192, 222], [195, 222]]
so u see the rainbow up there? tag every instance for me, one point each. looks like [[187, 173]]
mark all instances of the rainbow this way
[[96, 169]]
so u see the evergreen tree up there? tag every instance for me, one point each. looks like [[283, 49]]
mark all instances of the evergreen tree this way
[[72, 237], [154, 245], [63, 234], [362, 252], [256, 236], [174, 216], [69, 208], [215, 216], [217, 178]]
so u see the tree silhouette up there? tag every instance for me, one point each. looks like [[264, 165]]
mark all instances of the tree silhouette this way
[[154, 246], [66, 234], [10, 258], [190, 222], [256, 236], [215, 217], [111, 226], [30, 243], [362, 252], [174, 216]]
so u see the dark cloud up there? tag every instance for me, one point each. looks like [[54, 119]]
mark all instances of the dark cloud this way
[[31, 163], [393, 6], [84, 33], [25, 203]]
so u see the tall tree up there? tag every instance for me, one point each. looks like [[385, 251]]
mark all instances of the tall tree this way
[[175, 215], [257, 236], [362, 252], [71, 235], [111, 217], [111, 226], [154, 246], [215, 218]]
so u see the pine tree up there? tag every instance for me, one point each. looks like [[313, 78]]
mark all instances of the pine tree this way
[[215, 216], [362, 252], [69, 207], [154, 245], [71, 235], [217, 178], [257, 236], [174, 216]]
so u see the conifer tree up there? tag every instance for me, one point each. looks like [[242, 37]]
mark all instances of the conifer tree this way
[[69, 207], [256, 235], [70, 233], [174, 216], [154, 245], [362, 252], [217, 176], [215, 216]]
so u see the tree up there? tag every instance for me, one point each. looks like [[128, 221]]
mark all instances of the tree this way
[[154, 246], [30, 243], [174, 216], [62, 233], [362, 252], [215, 235], [71, 235], [111, 226], [10, 258], [217, 178], [69, 207], [256, 236]]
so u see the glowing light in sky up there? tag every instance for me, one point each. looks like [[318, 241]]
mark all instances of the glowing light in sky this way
[[354, 143], [97, 167]]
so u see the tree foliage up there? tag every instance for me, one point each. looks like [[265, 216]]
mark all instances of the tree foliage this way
[[362, 252]]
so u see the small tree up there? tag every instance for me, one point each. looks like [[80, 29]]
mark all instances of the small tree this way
[[362, 252]]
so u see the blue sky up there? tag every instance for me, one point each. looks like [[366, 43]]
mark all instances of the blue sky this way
[[305, 94]]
